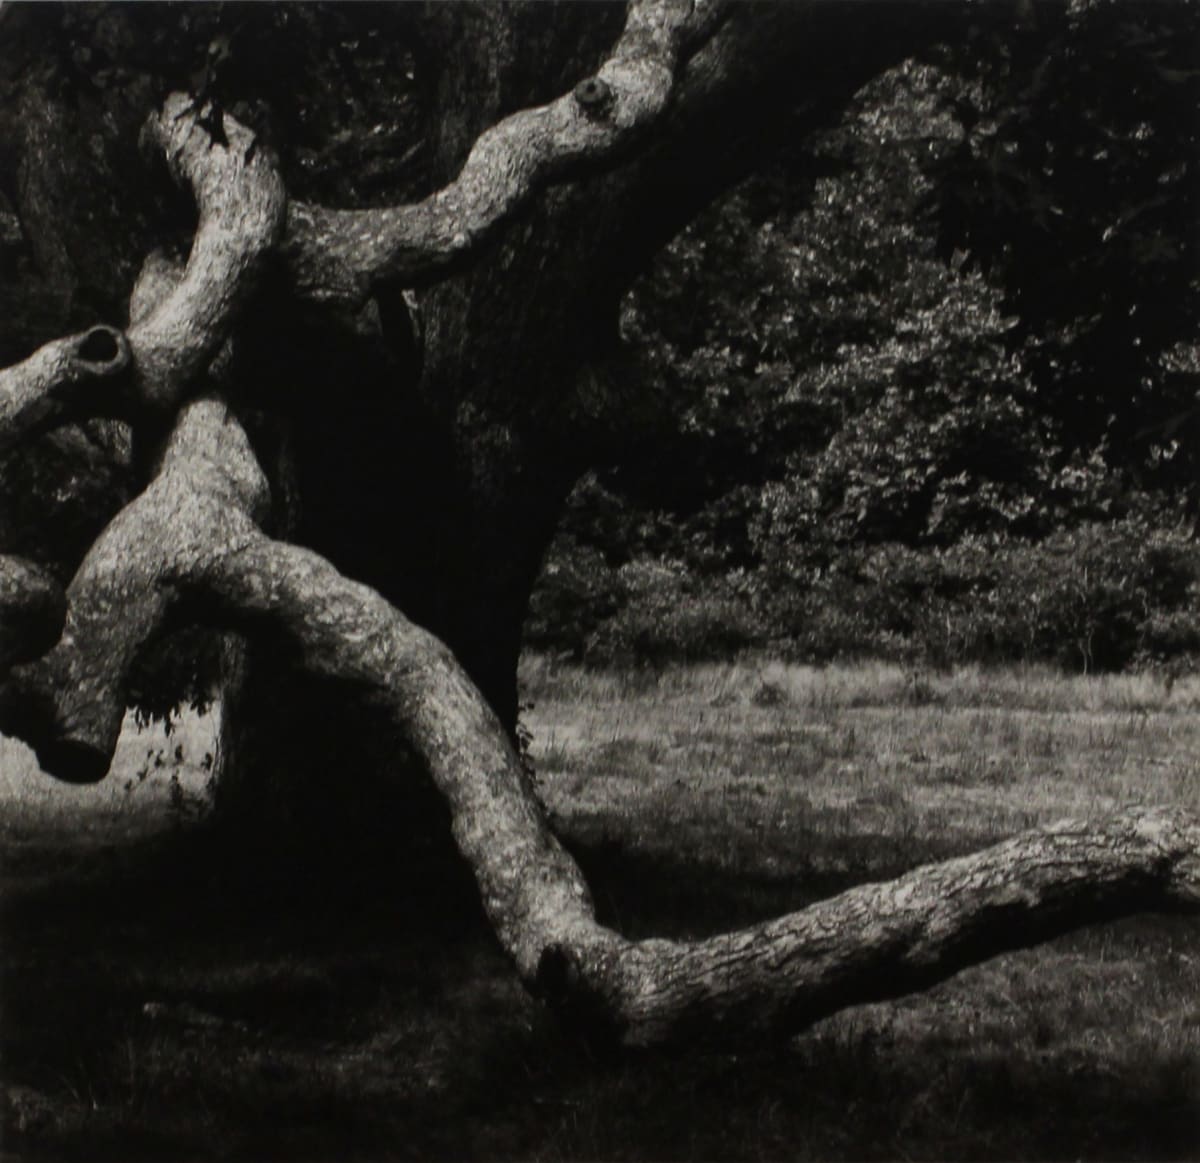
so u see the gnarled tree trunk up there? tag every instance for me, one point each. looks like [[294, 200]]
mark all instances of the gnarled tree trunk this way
[[352, 430]]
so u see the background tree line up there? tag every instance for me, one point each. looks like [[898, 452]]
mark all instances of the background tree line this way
[[940, 371]]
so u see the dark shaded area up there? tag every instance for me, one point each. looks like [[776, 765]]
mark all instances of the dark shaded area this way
[[150, 1012], [33, 609]]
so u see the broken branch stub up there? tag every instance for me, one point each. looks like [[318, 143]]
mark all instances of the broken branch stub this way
[[78, 375], [191, 543], [69, 703]]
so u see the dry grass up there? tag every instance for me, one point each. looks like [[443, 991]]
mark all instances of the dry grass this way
[[322, 1022], [864, 769]]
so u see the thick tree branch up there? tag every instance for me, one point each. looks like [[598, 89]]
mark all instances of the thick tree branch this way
[[176, 330], [69, 704], [191, 544], [78, 374], [192, 537], [242, 205], [884, 940], [335, 255], [767, 981]]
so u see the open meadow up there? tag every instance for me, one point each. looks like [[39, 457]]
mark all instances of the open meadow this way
[[159, 1002]]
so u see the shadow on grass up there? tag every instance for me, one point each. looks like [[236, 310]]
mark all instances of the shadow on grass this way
[[173, 1000]]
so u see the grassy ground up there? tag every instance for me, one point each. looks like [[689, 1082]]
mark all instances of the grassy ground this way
[[157, 1004]]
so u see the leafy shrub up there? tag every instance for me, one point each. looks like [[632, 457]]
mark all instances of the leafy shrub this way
[[671, 615], [576, 592], [1098, 597]]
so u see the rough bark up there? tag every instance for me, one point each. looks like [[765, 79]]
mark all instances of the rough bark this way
[[763, 982], [33, 609], [497, 426], [70, 703], [67, 376], [241, 204], [513, 344], [341, 254]]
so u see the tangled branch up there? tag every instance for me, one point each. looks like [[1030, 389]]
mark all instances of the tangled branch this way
[[191, 546], [336, 255]]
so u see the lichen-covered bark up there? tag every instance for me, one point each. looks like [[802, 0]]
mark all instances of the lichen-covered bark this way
[[69, 703], [241, 204], [764, 982]]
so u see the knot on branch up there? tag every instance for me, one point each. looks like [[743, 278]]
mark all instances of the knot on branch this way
[[594, 96], [104, 350]]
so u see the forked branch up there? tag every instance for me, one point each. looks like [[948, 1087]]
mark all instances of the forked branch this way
[[191, 545], [69, 703], [173, 338]]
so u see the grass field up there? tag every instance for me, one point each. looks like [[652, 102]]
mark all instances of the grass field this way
[[156, 1004]]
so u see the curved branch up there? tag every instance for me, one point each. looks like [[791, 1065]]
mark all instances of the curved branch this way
[[335, 255], [78, 374], [242, 205], [69, 704], [767, 981], [179, 326], [193, 538]]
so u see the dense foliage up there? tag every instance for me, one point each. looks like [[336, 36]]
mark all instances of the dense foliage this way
[[939, 368]]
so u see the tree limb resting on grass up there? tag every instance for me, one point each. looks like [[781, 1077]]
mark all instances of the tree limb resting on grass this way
[[872, 942], [767, 981], [192, 541], [191, 546]]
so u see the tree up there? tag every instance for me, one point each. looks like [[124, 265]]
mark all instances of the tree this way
[[859, 356], [341, 437], [1071, 184]]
